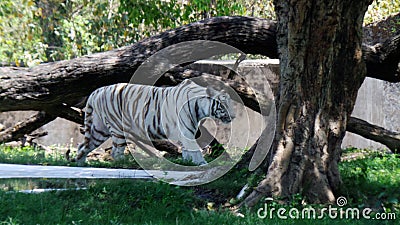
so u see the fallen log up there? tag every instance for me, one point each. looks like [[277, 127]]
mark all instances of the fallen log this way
[[56, 83], [376, 133]]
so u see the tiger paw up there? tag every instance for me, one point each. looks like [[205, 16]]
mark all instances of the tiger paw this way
[[195, 156], [80, 161]]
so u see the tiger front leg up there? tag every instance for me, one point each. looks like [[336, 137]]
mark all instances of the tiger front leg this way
[[191, 150], [117, 152], [83, 151], [118, 146], [195, 156]]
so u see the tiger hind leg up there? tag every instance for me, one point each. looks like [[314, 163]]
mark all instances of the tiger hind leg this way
[[117, 151], [96, 133], [118, 146], [83, 150]]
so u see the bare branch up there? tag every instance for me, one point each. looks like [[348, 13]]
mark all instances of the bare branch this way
[[379, 134], [25, 127]]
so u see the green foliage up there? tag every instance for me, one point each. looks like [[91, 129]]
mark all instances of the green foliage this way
[[258, 8], [370, 179], [380, 9], [149, 17], [373, 181], [29, 155], [229, 185], [20, 37], [32, 32], [36, 31]]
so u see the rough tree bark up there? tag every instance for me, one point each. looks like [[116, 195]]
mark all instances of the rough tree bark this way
[[322, 68]]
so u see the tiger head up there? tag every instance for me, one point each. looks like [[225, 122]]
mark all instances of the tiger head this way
[[221, 106]]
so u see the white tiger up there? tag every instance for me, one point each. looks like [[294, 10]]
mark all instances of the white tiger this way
[[152, 113]]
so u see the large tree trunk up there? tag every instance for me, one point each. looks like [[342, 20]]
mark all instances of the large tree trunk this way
[[322, 68]]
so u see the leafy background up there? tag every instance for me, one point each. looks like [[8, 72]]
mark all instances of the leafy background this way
[[37, 31]]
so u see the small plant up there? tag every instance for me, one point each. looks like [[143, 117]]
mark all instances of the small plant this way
[[372, 181], [37, 156], [28, 155]]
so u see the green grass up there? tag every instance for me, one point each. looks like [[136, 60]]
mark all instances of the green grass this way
[[372, 181], [36, 156], [129, 202], [115, 202], [30, 155]]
